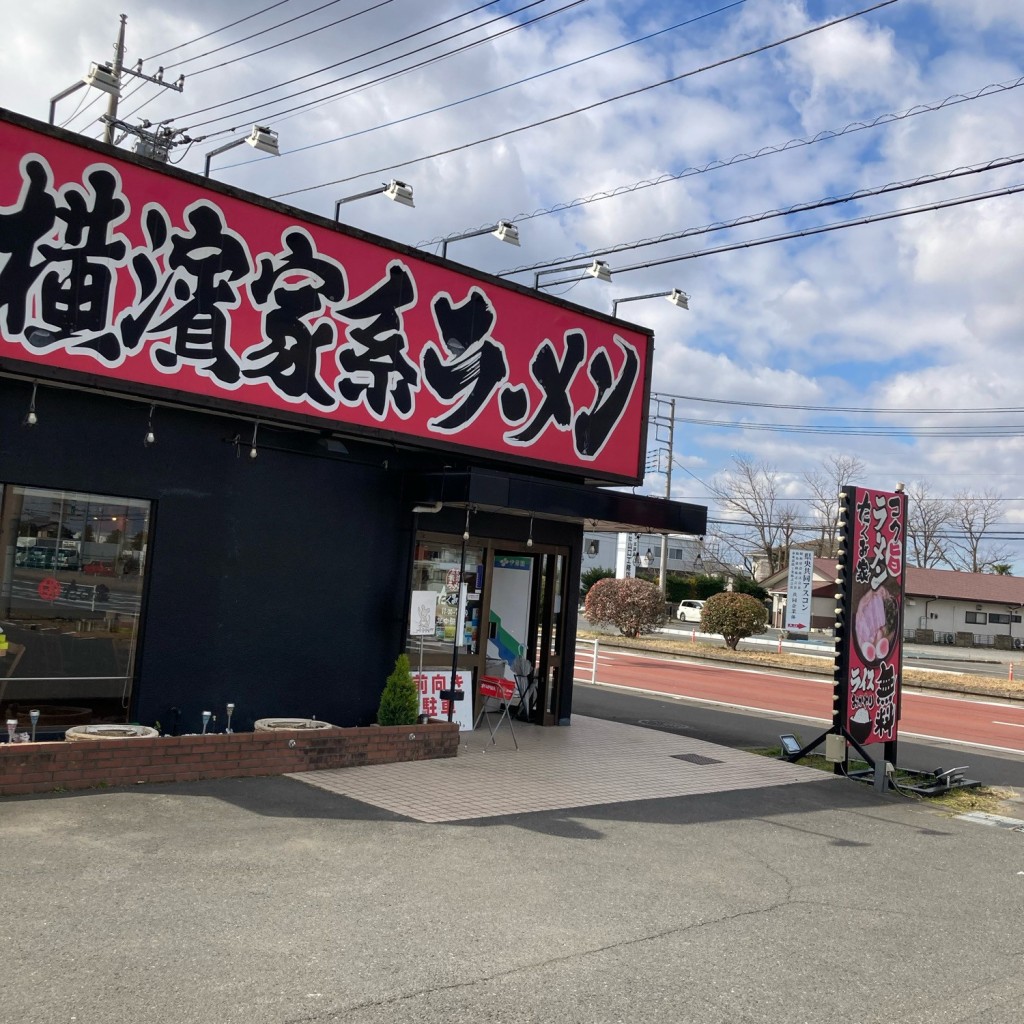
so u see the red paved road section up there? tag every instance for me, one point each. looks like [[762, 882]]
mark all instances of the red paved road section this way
[[972, 721]]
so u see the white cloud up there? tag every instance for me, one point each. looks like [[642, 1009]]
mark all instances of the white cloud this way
[[923, 311]]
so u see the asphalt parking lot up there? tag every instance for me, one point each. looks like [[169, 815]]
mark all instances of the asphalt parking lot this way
[[274, 900]]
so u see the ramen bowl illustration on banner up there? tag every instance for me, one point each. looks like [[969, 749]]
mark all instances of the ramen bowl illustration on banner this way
[[875, 621]]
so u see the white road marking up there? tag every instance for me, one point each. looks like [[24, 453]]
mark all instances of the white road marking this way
[[774, 713]]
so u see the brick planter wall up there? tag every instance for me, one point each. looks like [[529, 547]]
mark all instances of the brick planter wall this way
[[83, 764]]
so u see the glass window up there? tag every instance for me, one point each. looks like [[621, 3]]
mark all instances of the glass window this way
[[978, 618], [438, 569], [70, 596]]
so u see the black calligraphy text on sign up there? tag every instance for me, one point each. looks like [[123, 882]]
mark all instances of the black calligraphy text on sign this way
[[89, 282], [875, 641]]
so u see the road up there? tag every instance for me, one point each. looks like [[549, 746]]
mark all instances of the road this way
[[980, 662], [754, 703]]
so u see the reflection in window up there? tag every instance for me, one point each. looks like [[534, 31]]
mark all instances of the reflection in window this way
[[437, 568], [70, 595]]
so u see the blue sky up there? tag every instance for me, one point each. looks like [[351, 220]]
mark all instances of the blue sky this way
[[921, 312]]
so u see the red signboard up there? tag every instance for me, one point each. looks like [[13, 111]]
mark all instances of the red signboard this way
[[146, 277], [873, 606], [496, 688]]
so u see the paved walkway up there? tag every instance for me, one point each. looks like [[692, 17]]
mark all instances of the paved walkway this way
[[591, 762]]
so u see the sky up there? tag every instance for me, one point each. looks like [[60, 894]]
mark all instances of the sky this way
[[891, 339]]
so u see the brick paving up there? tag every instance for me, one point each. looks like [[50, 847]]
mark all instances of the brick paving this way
[[588, 763]]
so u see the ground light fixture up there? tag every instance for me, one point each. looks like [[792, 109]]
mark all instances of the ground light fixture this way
[[676, 297], [99, 76], [395, 190], [790, 744], [261, 138], [503, 231], [598, 269]]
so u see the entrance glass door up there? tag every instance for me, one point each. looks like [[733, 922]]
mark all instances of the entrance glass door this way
[[549, 631], [496, 607]]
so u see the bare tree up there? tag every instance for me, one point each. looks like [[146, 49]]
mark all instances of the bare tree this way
[[749, 494], [972, 518], [835, 473], [927, 519]]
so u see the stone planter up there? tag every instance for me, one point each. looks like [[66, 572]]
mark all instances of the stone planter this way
[[290, 724], [110, 732]]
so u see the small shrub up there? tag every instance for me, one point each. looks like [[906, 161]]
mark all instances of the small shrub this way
[[400, 700], [634, 606], [733, 615], [591, 576]]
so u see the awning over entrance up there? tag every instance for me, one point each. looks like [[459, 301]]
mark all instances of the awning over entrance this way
[[596, 508]]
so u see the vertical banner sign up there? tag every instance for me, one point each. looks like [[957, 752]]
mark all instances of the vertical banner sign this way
[[629, 562], [798, 590], [869, 635]]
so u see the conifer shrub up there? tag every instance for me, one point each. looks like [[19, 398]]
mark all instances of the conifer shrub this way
[[400, 699]]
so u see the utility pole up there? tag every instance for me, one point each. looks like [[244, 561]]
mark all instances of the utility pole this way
[[659, 420], [108, 135], [152, 144], [108, 77], [663, 567]]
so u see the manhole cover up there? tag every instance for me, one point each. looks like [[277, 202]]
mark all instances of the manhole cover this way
[[696, 759]]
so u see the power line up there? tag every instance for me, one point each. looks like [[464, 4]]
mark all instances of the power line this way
[[1015, 430], [223, 28], [868, 410], [822, 229], [991, 89], [600, 103], [283, 42], [506, 86], [347, 60], [278, 116], [789, 211]]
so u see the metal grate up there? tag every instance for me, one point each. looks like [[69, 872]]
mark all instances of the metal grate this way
[[696, 759]]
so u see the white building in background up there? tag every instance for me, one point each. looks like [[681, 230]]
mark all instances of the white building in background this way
[[623, 553]]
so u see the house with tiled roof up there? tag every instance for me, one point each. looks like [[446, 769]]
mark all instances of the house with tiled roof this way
[[942, 605]]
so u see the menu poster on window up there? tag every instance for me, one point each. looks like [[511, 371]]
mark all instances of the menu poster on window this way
[[432, 682], [873, 592], [451, 614], [422, 613]]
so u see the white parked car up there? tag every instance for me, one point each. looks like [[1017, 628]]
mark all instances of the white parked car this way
[[689, 611]]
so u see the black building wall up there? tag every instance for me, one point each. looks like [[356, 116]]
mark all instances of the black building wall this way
[[276, 583]]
